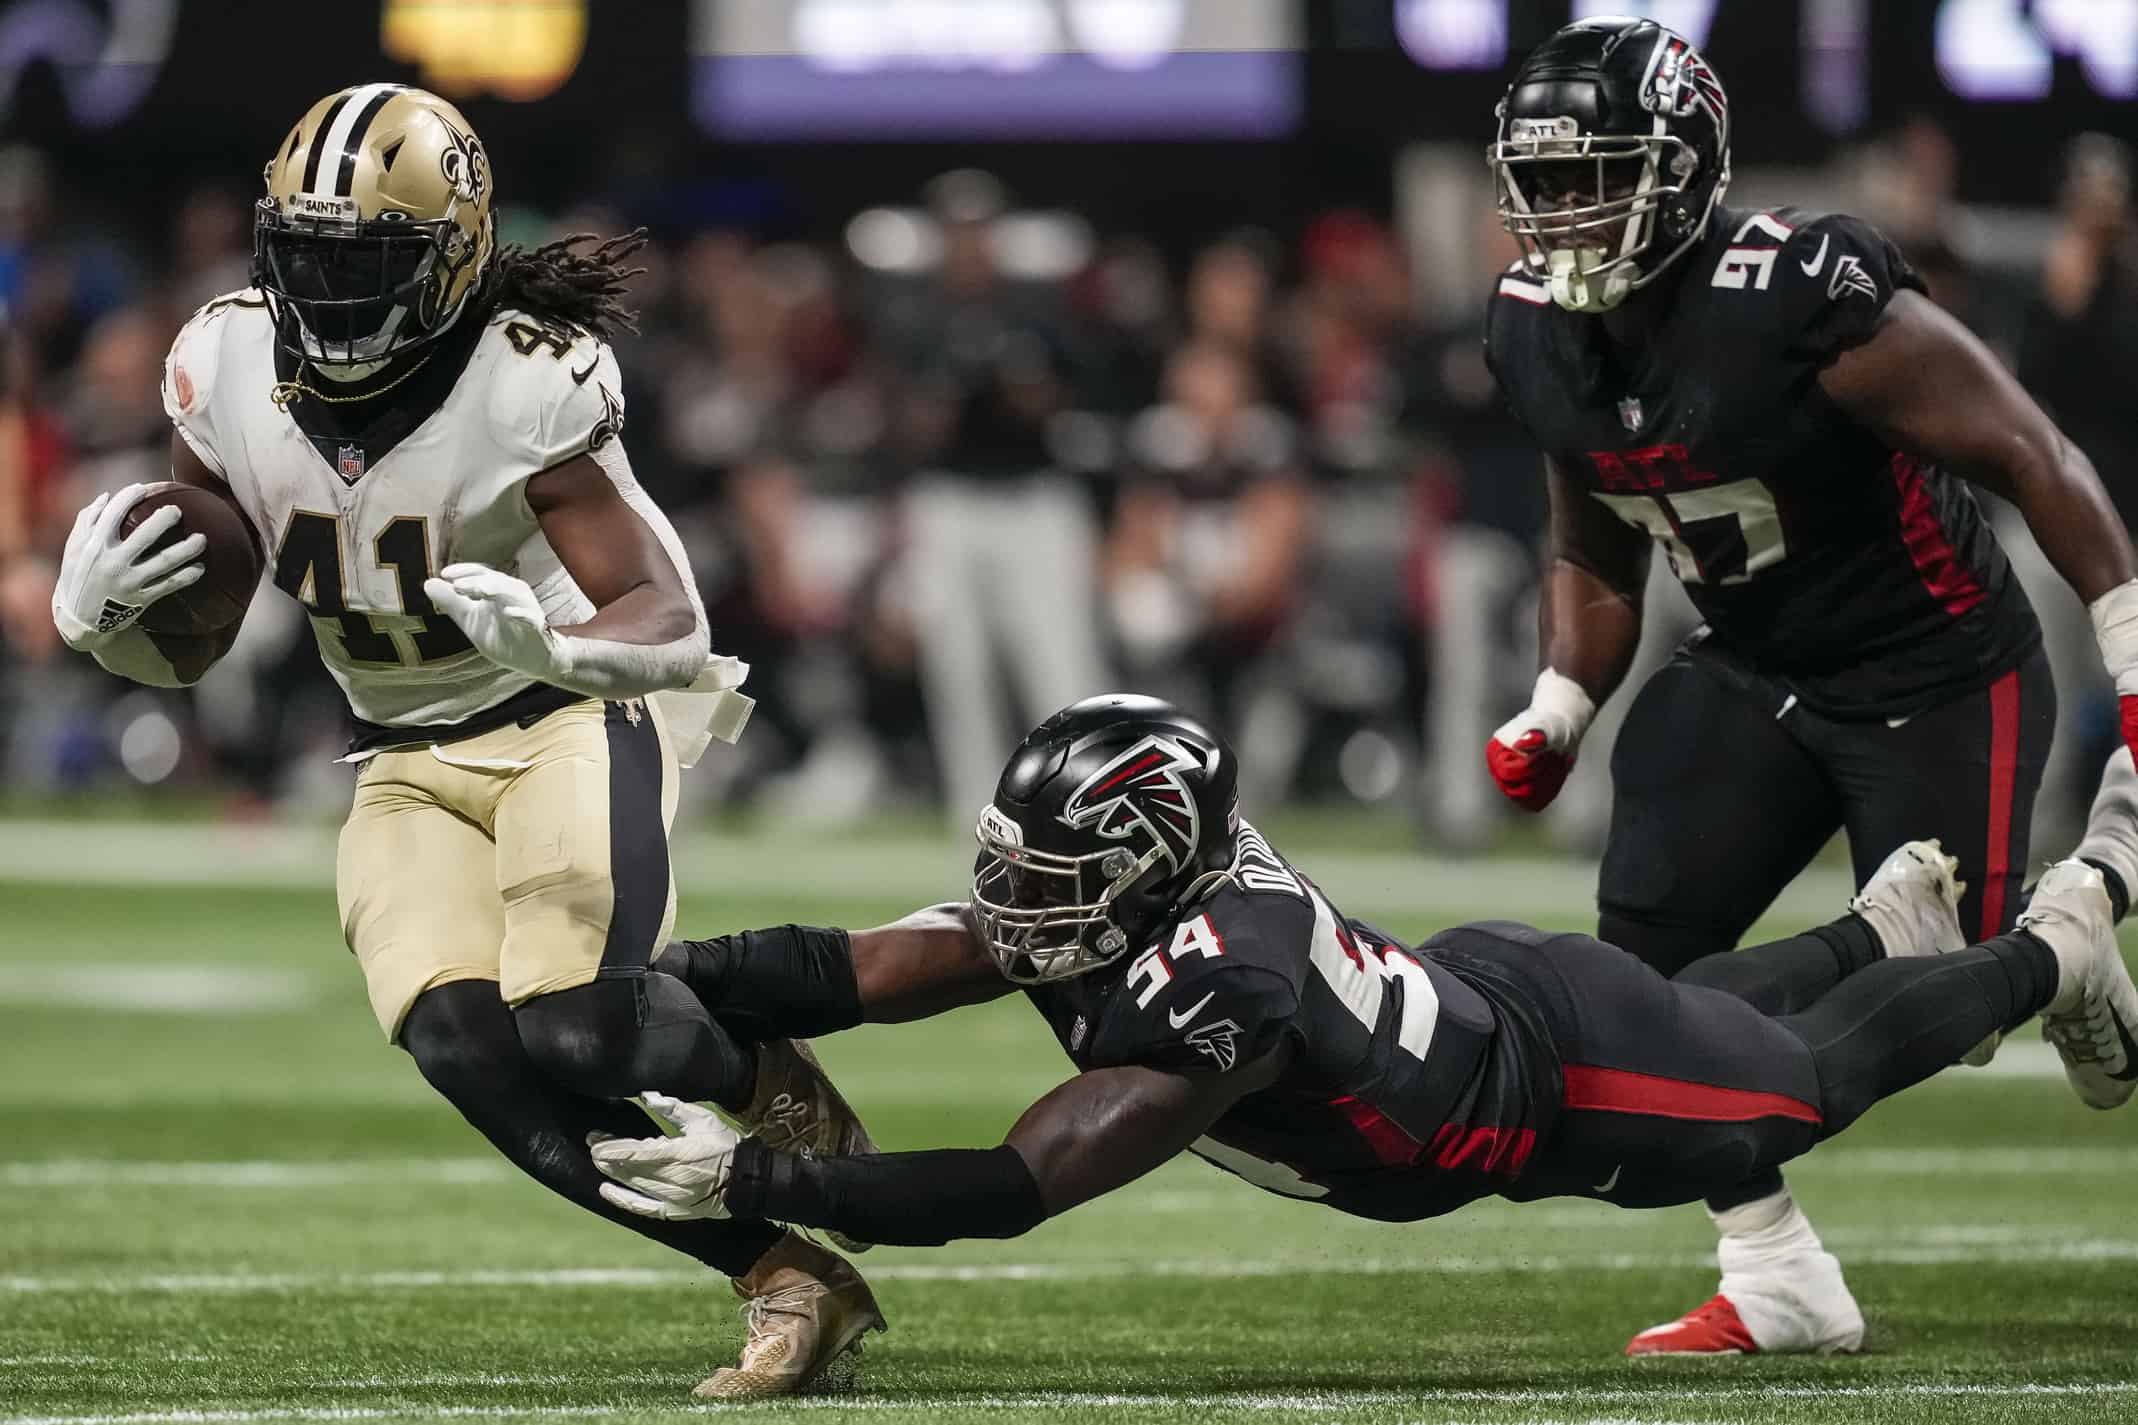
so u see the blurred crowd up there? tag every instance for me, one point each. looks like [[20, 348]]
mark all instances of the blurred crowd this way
[[966, 462]]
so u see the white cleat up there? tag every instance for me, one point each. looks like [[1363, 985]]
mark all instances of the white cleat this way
[[2111, 837], [2094, 1015], [1913, 903]]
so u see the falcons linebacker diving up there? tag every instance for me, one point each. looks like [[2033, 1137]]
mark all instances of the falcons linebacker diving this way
[[1215, 1001]]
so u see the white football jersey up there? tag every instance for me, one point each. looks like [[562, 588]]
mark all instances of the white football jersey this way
[[354, 542]]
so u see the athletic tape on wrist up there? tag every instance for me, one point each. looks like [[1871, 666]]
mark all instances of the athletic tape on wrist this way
[[2115, 629]]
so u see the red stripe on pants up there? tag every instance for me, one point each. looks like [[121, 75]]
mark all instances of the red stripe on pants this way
[[2004, 770], [1623, 1091]]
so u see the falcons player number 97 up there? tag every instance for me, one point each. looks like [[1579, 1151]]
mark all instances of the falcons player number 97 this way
[[1767, 396]]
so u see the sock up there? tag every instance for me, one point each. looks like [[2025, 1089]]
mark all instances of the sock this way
[[2032, 977], [1785, 976], [2119, 896], [1786, 1286], [1761, 1185], [1900, 1021], [1772, 1221]]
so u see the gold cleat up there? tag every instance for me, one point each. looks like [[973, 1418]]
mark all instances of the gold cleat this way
[[805, 1314], [798, 1110]]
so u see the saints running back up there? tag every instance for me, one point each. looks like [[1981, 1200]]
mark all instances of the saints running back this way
[[422, 426]]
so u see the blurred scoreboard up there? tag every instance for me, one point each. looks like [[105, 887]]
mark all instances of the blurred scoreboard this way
[[1004, 69], [141, 88]]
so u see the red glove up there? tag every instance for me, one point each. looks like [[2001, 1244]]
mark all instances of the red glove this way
[[2129, 704], [1530, 772], [1534, 750]]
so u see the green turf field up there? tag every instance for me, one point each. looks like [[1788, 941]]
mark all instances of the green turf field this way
[[228, 1201]]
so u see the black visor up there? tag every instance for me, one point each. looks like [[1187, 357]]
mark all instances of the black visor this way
[[348, 296]]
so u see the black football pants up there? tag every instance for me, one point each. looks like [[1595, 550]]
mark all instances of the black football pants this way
[[1674, 1090], [1724, 788]]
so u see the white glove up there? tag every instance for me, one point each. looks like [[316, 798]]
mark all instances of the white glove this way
[[500, 615], [101, 588], [675, 1179]]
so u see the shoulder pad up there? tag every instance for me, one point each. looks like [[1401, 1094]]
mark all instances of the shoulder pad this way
[[1514, 326], [1217, 992], [1522, 285], [189, 371], [1822, 280], [555, 392]]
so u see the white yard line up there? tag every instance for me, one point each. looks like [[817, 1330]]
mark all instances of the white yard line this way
[[2022, 1250], [161, 989], [1322, 1402], [268, 1173]]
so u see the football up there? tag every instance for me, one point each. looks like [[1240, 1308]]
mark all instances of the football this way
[[233, 558]]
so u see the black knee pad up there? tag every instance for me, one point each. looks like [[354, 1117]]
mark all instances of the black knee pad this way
[[617, 1037], [462, 1038], [1665, 948]]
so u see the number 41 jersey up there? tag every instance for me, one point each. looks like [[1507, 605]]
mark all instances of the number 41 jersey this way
[[352, 535], [1866, 580]]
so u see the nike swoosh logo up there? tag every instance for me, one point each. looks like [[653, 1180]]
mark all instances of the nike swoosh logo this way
[[1611, 1182], [1179, 1019], [2130, 1050], [579, 377], [1811, 268], [1900, 722]]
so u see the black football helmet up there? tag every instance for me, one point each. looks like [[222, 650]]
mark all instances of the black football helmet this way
[[1613, 149], [1110, 817]]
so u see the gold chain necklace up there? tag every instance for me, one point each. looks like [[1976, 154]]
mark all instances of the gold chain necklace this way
[[284, 392]]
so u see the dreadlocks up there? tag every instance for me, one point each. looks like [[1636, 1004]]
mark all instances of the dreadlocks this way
[[577, 289]]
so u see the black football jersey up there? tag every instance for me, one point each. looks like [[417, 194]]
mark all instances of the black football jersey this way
[[1866, 580], [1414, 1086]]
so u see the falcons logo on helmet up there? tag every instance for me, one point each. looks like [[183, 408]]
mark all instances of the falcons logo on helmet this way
[[1142, 787], [1680, 81]]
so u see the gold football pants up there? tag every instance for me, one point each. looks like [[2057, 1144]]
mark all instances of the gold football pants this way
[[536, 857]]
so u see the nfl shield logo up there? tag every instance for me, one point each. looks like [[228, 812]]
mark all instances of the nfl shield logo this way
[[1629, 411], [349, 463]]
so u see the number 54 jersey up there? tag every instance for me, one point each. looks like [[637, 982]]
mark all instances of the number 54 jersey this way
[[352, 530], [1414, 1084], [1866, 580]]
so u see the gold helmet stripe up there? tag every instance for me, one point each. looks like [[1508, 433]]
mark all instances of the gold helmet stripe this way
[[331, 165]]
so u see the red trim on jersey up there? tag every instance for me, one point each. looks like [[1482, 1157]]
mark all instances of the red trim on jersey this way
[[1623, 1091], [1389, 1142], [1936, 564], [1522, 291], [1501, 1151], [2004, 769]]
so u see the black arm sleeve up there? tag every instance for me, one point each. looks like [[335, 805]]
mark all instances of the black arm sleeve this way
[[789, 982], [897, 1199]]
